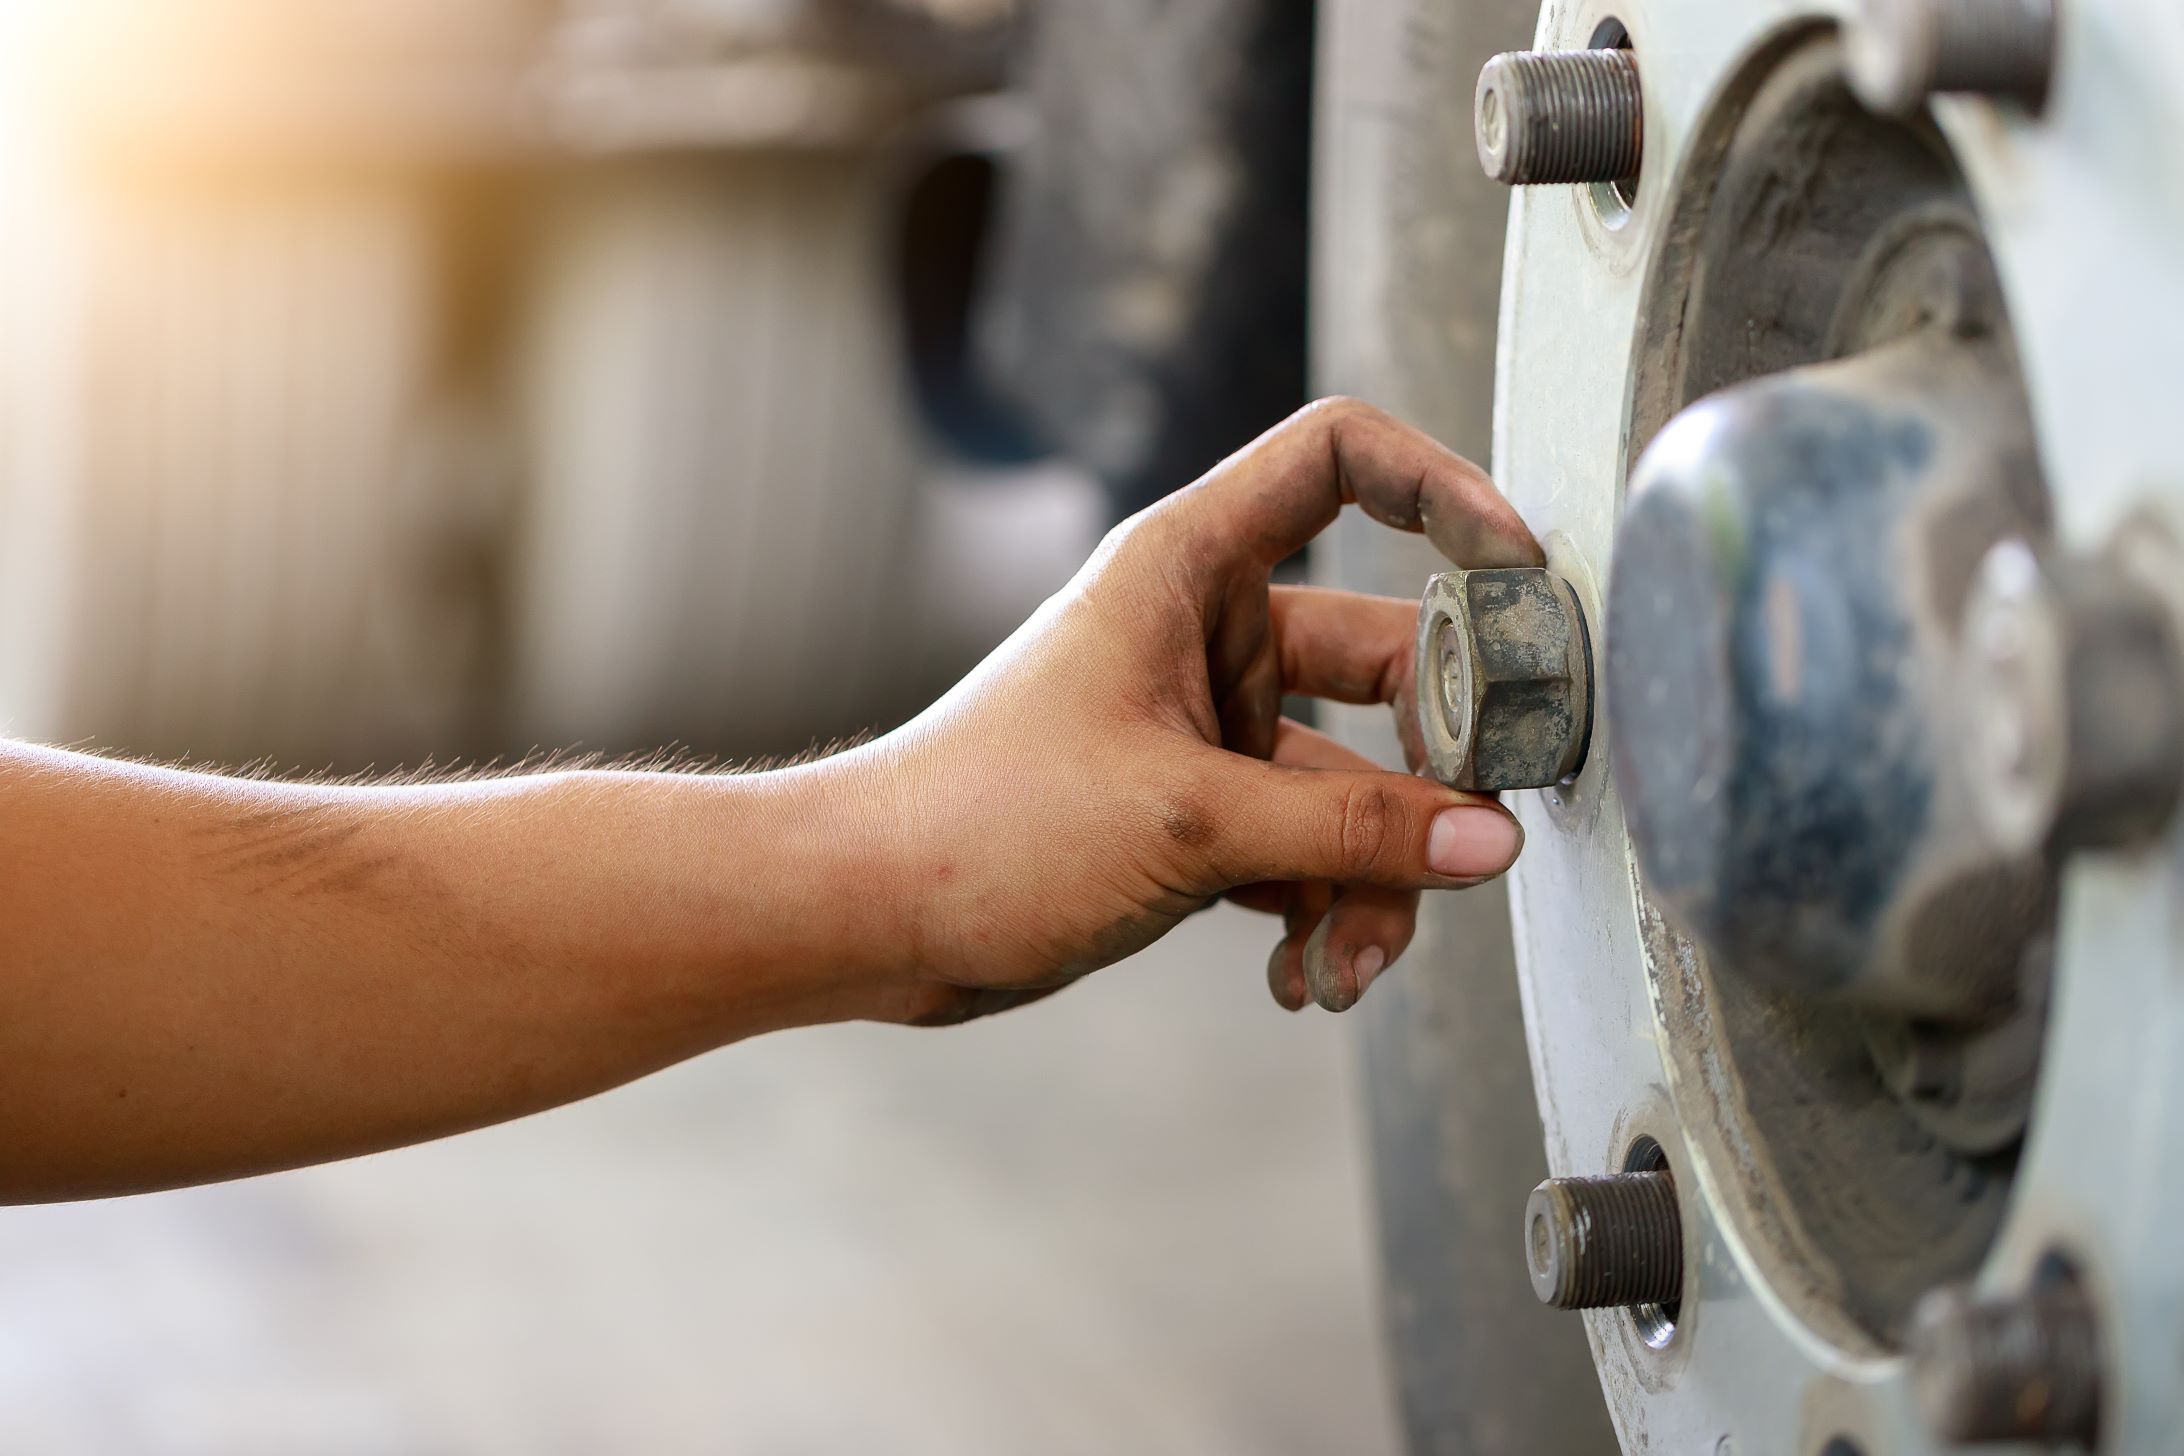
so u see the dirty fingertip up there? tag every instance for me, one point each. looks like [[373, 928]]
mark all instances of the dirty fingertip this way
[[1285, 977], [1475, 538], [1328, 971]]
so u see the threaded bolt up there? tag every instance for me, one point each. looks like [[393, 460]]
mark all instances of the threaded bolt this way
[[1560, 116], [1901, 52], [1602, 1243], [2022, 1369]]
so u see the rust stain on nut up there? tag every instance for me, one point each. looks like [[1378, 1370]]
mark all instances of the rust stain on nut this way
[[1505, 679]]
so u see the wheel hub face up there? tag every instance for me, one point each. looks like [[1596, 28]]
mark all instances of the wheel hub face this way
[[1836, 1156]]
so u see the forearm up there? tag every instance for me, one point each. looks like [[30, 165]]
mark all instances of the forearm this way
[[206, 977]]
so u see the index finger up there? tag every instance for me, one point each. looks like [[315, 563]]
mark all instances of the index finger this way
[[1277, 493], [1345, 646]]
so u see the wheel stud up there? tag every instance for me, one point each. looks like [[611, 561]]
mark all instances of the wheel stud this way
[[1560, 116], [1601, 1243], [2022, 1369], [1901, 52]]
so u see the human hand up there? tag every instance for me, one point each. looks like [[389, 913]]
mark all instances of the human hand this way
[[209, 977], [1121, 761]]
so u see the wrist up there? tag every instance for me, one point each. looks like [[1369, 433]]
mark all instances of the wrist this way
[[717, 907], [809, 865]]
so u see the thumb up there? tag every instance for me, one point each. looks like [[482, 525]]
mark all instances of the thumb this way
[[1359, 827]]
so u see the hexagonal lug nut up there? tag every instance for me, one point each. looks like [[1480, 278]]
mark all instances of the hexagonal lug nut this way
[[1505, 689]]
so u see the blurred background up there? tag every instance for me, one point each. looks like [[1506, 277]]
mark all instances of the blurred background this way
[[392, 381]]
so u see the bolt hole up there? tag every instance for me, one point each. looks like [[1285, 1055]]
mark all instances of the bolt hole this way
[[1564, 790], [1656, 1323], [2056, 1268], [1613, 201], [1451, 659]]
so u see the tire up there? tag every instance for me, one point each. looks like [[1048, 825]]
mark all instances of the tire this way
[[1407, 266], [1147, 305]]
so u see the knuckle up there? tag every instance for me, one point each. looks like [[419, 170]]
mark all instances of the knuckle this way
[[1186, 820], [1163, 531], [1372, 819], [1330, 408], [1118, 541], [1189, 841], [1339, 414]]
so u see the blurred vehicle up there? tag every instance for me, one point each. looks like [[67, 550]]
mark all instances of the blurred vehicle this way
[[456, 378], [465, 378]]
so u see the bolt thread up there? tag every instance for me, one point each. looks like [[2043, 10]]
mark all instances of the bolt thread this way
[[1994, 47], [1560, 116], [1602, 1243], [2024, 1369]]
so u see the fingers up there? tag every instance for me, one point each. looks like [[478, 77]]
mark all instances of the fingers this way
[[1285, 973], [1345, 646], [1362, 934], [1335, 942], [1277, 493], [1250, 710], [1349, 826], [1352, 648]]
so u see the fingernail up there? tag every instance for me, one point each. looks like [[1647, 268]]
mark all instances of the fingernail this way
[[1369, 963], [1472, 841]]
